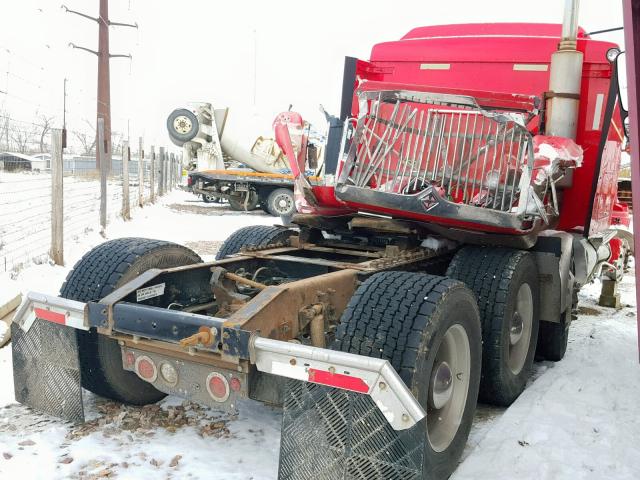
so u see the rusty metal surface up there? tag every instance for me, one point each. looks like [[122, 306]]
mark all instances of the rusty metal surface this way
[[46, 369], [274, 311]]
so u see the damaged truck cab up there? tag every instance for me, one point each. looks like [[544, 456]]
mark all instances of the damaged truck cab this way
[[468, 199]]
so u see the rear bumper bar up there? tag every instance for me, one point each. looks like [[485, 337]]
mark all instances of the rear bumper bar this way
[[51, 308], [370, 376]]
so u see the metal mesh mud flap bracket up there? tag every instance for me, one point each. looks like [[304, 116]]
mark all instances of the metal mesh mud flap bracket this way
[[334, 434], [46, 369]]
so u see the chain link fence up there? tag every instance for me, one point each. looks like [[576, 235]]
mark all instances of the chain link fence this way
[[49, 199]]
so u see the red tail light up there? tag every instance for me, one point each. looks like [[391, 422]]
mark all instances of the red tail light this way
[[146, 369], [218, 387]]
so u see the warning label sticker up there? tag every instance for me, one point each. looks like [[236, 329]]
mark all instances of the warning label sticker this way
[[150, 292]]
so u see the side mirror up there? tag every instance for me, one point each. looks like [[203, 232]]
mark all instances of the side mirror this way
[[621, 66]]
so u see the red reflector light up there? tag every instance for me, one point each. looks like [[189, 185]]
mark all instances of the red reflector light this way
[[218, 387], [235, 384], [146, 369], [129, 359], [338, 380], [50, 316]]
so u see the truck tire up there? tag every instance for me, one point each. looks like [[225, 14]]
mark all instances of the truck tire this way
[[505, 282], [207, 198], [239, 204], [182, 125], [553, 338], [252, 236], [102, 270], [427, 327], [281, 202]]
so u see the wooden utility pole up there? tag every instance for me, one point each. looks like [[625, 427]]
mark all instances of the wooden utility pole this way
[[104, 87], [100, 147]]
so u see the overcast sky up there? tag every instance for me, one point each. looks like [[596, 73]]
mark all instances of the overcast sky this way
[[220, 51]]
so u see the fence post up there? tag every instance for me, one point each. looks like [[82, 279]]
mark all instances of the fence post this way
[[170, 172], [160, 173], [152, 174], [57, 198], [169, 175], [140, 172], [104, 165], [173, 171], [164, 171], [126, 205]]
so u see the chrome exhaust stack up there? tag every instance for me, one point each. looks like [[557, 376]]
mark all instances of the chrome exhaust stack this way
[[565, 78]]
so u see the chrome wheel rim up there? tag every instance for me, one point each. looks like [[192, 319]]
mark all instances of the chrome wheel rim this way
[[448, 388], [520, 329], [182, 124], [283, 204]]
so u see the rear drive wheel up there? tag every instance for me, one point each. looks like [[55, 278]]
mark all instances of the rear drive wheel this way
[[553, 338], [505, 282], [280, 202], [102, 270], [428, 327], [252, 236]]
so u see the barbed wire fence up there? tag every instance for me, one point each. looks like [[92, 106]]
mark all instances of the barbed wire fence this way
[[51, 199]]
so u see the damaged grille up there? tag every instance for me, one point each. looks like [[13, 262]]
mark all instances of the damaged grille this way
[[409, 142]]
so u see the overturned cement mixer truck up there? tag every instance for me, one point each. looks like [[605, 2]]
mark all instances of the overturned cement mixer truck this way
[[222, 169]]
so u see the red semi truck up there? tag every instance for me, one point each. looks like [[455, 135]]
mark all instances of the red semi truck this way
[[440, 255]]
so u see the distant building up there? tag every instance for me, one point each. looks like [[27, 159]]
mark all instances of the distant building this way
[[16, 162]]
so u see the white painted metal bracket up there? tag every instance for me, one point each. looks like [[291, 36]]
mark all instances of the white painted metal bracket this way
[[52, 309], [357, 373]]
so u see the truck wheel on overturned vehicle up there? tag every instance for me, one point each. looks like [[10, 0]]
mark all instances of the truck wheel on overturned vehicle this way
[[252, 236], [102, 270], [505, 282], [182, 125], [428, 327], [207, 198], [281, 202]]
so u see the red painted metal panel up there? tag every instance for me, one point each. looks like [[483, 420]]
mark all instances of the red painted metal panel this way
[[491, 58], [632, 46]]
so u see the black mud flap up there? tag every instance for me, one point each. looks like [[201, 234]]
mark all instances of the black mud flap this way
[[46, 369], [333, 434]]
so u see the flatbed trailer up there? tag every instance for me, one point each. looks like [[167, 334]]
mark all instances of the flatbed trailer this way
[[244, 189]]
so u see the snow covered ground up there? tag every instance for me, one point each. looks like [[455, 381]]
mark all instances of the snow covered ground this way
[[575, 421]]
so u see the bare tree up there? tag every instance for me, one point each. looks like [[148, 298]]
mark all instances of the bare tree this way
[[116, 142], [45, 124], [87, 140], [4, 129], [22, 137]]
